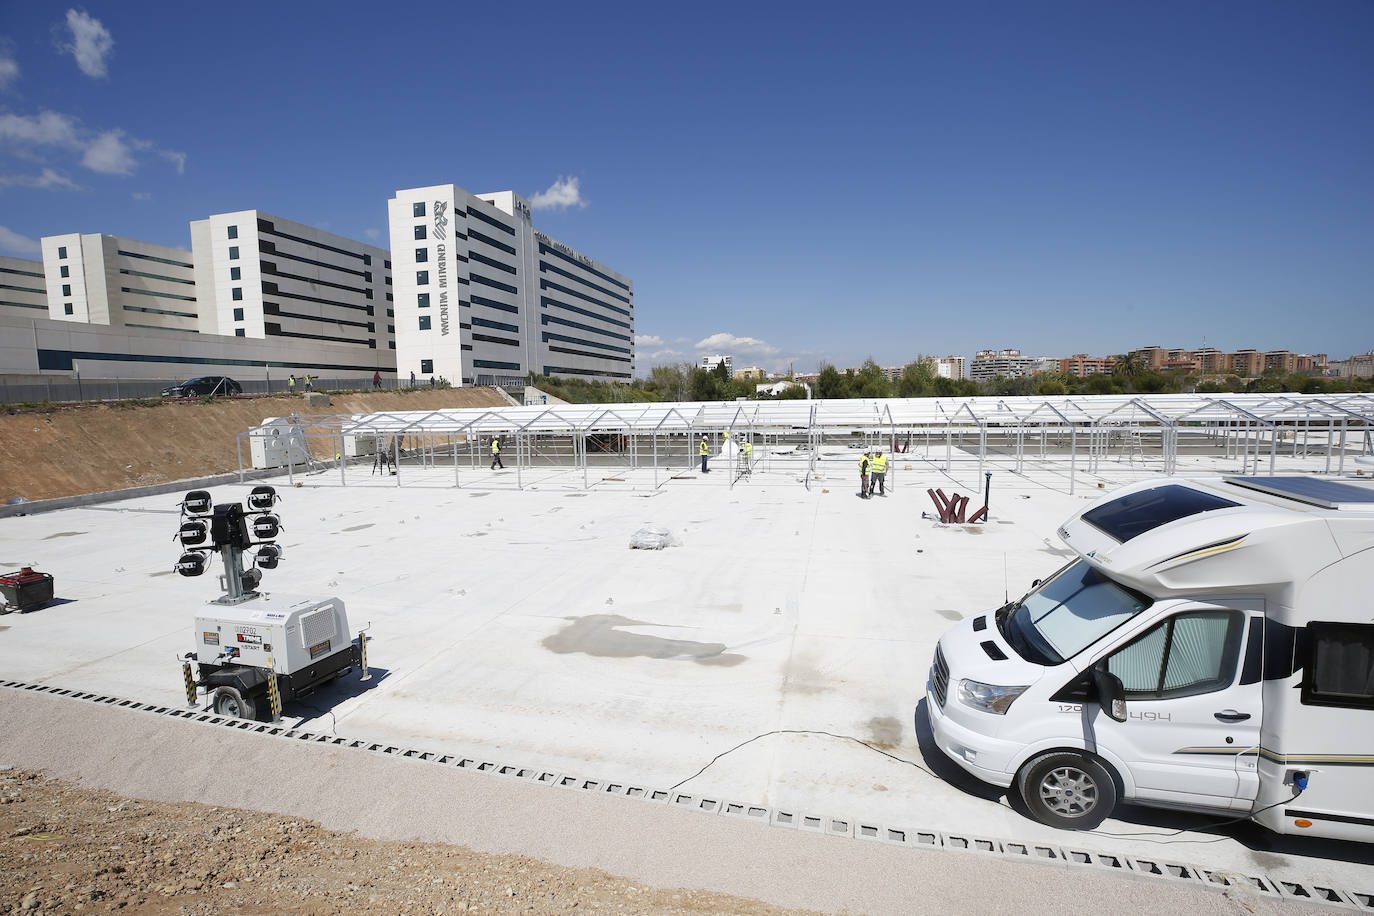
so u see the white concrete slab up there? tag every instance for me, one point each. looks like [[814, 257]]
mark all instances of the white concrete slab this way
[[516, 625]]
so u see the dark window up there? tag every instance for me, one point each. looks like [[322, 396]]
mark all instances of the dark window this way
[[418, 208], [66, 289], [497, 325], [239, 332], [492, 364], [235, 273], [424, 322], [423, 300], [386, 264], [367, 276], [236, 293], [67, 308], [233, 232], [1147, 510], [1341, 669], [421, 277], [65, 271], [367, 261], [426, 365], [233, 252], [368, 293], [1190, 653], [421, 255], [62, 251], [420, 232], [238, 314]]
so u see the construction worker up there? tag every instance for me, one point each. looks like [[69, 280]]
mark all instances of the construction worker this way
[[291, 384], [863, 476], [747, 451], [496, 454], [878, 480], [703, 450]]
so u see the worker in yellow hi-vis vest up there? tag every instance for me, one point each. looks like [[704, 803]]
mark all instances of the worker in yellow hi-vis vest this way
[[704, 450], [864, 463], [878, 475], [746, 453], [496, 454]]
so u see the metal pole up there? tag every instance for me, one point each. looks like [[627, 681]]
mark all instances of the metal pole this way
[[453, 444], [343, 482], [1073, 456], [396, 458]]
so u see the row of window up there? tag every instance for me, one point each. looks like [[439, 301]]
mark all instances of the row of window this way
[[27, 305], [546, 267], [572, 352], [23, 273], [148, 292], [549, 284], [145, 257], [549, 335], [546, 249], [139, 273], [546, 302], [554, 319], [562, 370]]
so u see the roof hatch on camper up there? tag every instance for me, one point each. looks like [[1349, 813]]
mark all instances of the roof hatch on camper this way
[[1136, 513], [1328, 494]]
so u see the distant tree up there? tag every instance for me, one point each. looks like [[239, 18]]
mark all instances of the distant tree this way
[[830, 384], [1052, 384], [1100, 384], [1128, 365], [917, 380], [871, 382]]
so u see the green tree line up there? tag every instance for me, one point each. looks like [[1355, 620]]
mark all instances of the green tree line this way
[[918, 379]]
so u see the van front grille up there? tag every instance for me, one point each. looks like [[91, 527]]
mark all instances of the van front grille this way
[[939, 677]]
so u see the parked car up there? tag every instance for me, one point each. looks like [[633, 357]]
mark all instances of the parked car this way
[[204, 385]]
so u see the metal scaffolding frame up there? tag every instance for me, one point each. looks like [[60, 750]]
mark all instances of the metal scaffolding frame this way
[[1145, 430]]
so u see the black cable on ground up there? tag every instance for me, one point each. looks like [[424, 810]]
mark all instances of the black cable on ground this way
[[1174, 833], [802, 731]]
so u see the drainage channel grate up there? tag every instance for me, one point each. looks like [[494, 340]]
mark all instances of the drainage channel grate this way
[[915, 838]]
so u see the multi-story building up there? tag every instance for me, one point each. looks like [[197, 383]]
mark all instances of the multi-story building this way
[[1246, 363], [1082, 365], [1008, 364], [710, 362], [105, 279], [258, 275], [749, 372], [22, 291], [948, 366], [1361, 365], [483, 298]]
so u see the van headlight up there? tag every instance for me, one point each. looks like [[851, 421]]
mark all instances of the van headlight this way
[[988, 697]]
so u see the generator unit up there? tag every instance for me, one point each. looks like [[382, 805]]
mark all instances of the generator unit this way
[[256, 651], [278, 442]]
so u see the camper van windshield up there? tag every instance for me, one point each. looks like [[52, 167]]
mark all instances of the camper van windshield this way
[[1068, 613]]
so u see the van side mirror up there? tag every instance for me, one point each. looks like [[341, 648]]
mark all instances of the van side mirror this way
[[1036, 583], [1111, 693]]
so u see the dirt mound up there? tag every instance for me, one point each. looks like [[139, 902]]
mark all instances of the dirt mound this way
[[65, 849], [92, 448]]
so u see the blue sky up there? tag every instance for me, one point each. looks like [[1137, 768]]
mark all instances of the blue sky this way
[[782, 182]]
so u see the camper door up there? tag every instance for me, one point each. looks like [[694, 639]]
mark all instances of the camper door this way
[[1193, 705]]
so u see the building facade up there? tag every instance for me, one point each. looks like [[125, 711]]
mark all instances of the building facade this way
[[1082, 365], [105, 279], [1008, 364], [948, 366], [483, 298], [715, 359], [23, 294], [260, 276]]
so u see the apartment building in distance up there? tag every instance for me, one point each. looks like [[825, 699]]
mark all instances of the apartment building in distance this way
[[948, 366], [1082, 365], [483, 298], [1009, 364], [23, 294], [749, 372], [109, 280], [710, 362], [259, 276], [1247, 363]]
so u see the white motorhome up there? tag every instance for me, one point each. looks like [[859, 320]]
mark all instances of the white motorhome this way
[[1210, 648]]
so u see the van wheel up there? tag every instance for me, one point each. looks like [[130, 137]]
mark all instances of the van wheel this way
[[229, 702], [1067, 789]]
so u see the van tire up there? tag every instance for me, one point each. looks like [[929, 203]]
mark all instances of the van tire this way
[[1067, 789], [228, 701]]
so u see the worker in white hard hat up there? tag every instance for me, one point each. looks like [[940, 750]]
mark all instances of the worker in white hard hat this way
[[877, 478], [704, 449]]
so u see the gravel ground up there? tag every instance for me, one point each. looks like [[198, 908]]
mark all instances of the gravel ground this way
[[67, 849]]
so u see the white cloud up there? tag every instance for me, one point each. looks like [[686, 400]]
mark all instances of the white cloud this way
[[20, 245], [142, 195], [9, 67], [563, 193], [729, 343], [373, 234], [661, 356], [91, 43], [46, 179], [648, 340], [46, 129], [108, 154], [177, 159]]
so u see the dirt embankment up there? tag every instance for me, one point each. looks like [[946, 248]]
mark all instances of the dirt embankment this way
[[66, 849], [93, 448]]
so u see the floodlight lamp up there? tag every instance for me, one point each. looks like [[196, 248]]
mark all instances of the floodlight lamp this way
[[251, 579], [261, 499], [192, 563], [197, 502], [266, 527], [193, 532], [269, 555]]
